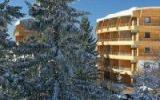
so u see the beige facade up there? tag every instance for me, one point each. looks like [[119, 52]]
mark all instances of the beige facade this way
[[127, 40], [22, 34]]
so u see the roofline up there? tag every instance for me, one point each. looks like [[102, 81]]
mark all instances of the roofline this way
[[128, 12]]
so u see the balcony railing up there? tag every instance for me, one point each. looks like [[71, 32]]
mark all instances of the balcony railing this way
[[117, 27], [120, 53], [121, 68], [122, 56], [116, 39], [125, 24], [125, 39], [121, 25], [115, 53]]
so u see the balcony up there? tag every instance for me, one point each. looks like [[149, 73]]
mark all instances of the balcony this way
[[122, 70], [117, 24], [121, 56], [112, 29], [117, 28], [99, 43], [127, 28], [119, 41]]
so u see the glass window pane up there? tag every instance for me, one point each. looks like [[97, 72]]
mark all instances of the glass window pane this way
[[147, 35], [147, 20], [147, 50]]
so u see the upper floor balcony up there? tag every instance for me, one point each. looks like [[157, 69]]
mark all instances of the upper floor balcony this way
[[117, 38], [122, 66], [117, 52], [117, 28], [122, 70], [119, 41], [117, 24], [122, 56]]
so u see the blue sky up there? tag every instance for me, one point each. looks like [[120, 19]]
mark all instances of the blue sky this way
[[99, 8]]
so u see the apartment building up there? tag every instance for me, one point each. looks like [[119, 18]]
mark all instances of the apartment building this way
[[22, 32], [128, 42]]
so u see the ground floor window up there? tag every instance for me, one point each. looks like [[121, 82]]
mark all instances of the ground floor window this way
[[147, 50]]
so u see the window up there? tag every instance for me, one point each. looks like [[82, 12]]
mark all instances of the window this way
[[147, 35], [147, 50], [147, 20]]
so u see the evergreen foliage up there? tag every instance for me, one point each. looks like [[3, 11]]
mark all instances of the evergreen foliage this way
[[8, 14], [62, 65]]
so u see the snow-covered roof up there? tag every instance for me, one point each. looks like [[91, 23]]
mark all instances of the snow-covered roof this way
[[26, 22], [128, 12], [22, 21]]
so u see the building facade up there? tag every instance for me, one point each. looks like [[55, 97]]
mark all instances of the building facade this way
[[22, 31], [128, 42]]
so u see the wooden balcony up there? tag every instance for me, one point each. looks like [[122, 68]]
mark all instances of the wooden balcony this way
[[121, 56], [99, 43], [117, 28], [119, 41], [122, 70]]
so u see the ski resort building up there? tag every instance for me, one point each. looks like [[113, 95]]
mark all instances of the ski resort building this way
[[128, 42], [22, 31]]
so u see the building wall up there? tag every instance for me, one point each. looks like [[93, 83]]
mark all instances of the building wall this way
[[139, 44], [22, 34], [154, 35]]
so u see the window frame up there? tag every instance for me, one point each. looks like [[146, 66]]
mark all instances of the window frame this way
[[149, 48], [147, 20], [147, 33]]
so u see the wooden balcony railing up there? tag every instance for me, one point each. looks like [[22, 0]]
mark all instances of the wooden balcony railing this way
[[120, 25], [125, 39], [116, 39], [124, 24], [120, 53], [121, 68], [114, 52]]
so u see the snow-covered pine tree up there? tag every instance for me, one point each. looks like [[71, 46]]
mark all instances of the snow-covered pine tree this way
[[59, 25], [87, 71], [147, 84], [47, 69], [8, 14]]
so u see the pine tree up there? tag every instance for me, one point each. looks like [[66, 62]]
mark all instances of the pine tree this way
[[147, 83], [8, 14], [88, 41], [48, 69]]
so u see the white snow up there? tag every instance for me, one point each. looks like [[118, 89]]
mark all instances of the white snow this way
[[128, 12], [19, 20], [144, 88], [153, 64]]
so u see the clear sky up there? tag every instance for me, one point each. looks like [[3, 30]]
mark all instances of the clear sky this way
[[100, 8]]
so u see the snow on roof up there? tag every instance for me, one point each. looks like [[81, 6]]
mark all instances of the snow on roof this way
[[128, 12], [21, 20], [121, 13], [26, 22]]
